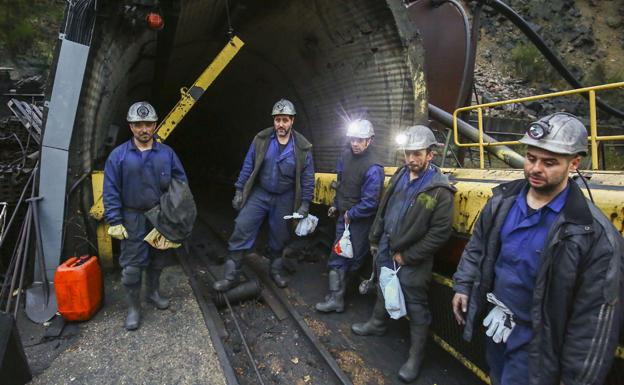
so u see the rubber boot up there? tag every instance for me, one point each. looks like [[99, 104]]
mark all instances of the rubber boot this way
[[334, 301], [276, 271], [232, 272], [411, 368], [376, 325], [133, 296], [153, 285]]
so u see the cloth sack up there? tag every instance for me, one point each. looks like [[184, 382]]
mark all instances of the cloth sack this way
[[343, 247], [306, 226], [392, 293]]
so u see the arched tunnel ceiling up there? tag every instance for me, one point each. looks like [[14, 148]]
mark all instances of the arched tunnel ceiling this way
[[333, 59]]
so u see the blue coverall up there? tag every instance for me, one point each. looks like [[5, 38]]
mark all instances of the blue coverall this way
[[272, 196], [523, 237], [361, 215], [134, 180]]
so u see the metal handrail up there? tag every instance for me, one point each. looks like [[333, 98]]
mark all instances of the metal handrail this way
[[593, 138]]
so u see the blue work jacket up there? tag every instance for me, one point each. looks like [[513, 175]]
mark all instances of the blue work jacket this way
[[278, 170], [136, 180]]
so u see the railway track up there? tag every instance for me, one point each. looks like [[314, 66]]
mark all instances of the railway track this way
[[263, 340]]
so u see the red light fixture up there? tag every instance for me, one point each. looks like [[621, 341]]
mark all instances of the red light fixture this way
[[155, 21]]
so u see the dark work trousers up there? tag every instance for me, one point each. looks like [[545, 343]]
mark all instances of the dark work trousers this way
[[508, 361], [134, 250], [359, 229], [260, 205]]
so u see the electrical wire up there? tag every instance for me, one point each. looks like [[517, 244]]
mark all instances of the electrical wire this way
[[586, 185], [229, 20]]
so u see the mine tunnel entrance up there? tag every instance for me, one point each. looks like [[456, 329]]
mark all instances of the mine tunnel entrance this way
[[334, 60]]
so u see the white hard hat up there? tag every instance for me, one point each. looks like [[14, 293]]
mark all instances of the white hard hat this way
[[416, 138], [283, 107], [561, 133], [141, 112], [360, 128]]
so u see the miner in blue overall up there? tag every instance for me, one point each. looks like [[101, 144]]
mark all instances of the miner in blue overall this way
[[544, 266], [277, 179], [413, 222], [136, 174], [360, 180]]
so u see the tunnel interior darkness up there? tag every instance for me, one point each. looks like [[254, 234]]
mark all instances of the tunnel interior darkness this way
[[335, 60]]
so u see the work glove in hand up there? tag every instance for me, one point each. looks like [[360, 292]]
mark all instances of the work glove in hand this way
[[118, 232], [158, 241], [237, 201], [304, 209], [499, 321]]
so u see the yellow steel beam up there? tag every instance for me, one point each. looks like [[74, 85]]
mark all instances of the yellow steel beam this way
[[189, 97], [104, 242], [97, 186], [593, 130], [474, 188]]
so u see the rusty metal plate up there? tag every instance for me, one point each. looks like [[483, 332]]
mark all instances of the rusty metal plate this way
[[445, 35]]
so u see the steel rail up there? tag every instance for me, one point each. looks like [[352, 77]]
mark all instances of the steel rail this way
[[294, 314]]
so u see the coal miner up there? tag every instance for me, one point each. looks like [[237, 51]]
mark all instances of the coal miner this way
[[277, 179], [544, 267], [138, 173], [413, 221], [360, 181]]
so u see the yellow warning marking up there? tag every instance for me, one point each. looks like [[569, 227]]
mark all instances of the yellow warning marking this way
[[460, 357], [188, 97]]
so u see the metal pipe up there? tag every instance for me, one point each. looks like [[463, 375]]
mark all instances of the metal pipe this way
[[503, 153]]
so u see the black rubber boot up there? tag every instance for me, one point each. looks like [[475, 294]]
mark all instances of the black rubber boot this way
[[334, 301], [376, 325], [133, 296], [232, 272], [153, 285], [276, 271], [411, 368]]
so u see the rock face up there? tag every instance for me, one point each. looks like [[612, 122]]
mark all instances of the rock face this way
[[587, 36]]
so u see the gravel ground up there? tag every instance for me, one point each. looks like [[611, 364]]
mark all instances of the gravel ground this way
[[171, 346]]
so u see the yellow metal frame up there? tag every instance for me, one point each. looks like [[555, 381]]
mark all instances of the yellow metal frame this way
[[593, 138], [189, 96], [104, 242]]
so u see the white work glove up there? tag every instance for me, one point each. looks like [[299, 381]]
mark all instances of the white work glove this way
[[294, 215], [118, 232], [499, 321]]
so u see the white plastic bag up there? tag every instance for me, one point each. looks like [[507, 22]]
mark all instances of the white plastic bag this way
[[393, 295], [306, 226], [343, 247]]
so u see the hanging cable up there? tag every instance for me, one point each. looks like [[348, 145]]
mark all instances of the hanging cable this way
[[586, 185], [230, 31]]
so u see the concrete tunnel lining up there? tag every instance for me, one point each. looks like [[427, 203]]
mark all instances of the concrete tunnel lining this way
[[333, 59]]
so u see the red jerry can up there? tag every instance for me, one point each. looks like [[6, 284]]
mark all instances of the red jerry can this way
[[78, 285]]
